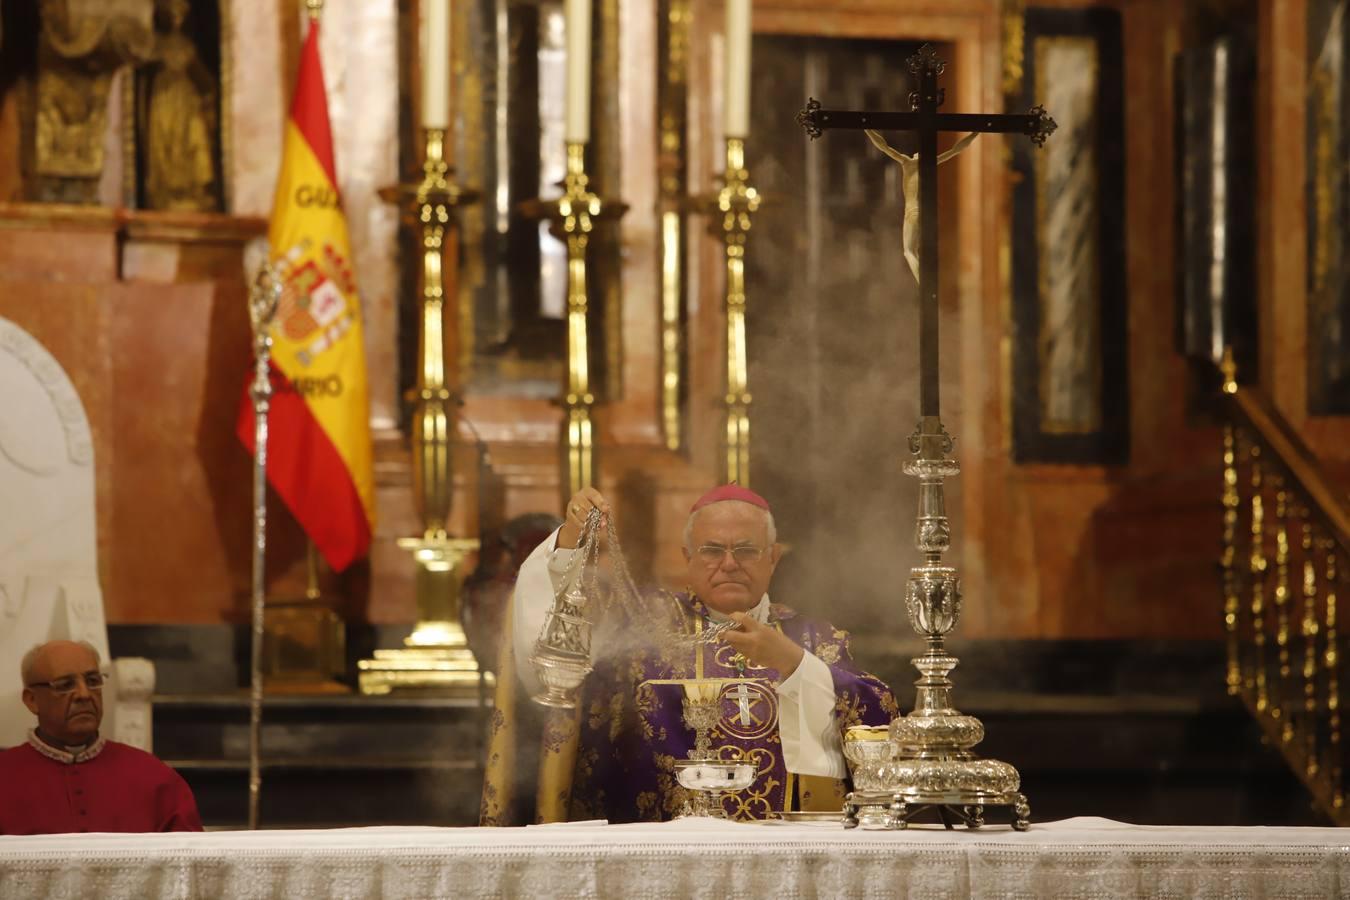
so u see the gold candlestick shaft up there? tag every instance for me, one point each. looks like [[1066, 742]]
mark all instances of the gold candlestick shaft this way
[[737, 201], [576, 208], [436, 654], [674, 17]]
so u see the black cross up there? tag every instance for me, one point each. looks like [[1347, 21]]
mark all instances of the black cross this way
[[925, 119]]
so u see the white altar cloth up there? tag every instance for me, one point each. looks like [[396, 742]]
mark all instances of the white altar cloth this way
[[1078, 858]]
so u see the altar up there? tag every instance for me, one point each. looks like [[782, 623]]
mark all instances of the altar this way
[[1081, 857]]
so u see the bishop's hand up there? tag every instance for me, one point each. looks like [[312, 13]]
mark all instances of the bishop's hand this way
[[764, 645], [578, 508]]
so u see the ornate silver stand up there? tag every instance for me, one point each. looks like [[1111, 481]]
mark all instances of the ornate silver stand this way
[[931, 765]]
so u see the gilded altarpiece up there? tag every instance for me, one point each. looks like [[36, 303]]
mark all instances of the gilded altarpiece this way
[[1328, 149], [1068, 310], [119, 101], [175, 126]]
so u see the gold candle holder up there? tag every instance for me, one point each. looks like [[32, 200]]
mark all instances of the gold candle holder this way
[[573, 217], [736, 202], [577, 207], [436, 655], [674, 17]]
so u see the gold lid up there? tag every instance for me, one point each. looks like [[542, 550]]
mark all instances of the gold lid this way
[[867, 733]]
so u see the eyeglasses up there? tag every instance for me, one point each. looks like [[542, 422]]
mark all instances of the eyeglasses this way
[[744, 554], [68, 683]]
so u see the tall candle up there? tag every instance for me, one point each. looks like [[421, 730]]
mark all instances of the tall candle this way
[[736, 96], [435, 63], [577, 128]]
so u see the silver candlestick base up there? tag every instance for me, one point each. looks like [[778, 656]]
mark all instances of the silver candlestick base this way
[[929, 765]]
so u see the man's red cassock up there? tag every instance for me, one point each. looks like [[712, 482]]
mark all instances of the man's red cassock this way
[[109, 787]]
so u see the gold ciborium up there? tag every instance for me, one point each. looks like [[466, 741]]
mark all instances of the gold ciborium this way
[[703, 774]]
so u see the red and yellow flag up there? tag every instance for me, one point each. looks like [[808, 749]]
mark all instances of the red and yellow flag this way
[[319, 456]]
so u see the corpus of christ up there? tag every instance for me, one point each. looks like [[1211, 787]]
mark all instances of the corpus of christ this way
[[607, 448]]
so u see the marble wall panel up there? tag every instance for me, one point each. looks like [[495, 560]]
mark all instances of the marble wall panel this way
[[1070, 377], [157, 347]]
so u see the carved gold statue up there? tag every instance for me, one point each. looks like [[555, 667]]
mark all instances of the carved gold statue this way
[[80, 47], [909, 169], [178, 121]]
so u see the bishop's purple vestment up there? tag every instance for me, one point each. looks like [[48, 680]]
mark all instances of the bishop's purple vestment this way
[[632, 728]]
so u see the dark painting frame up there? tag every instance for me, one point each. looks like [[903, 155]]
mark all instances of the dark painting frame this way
[[1102, 435], [1216, 215], [1328, 187]]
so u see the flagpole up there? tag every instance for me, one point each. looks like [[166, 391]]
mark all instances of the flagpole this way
[[262, 307]]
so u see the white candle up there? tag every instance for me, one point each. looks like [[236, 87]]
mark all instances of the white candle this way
[[736, 96], [577, 128], [435, 63]]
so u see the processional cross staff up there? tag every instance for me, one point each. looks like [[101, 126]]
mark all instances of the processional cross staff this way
[[924, 119]]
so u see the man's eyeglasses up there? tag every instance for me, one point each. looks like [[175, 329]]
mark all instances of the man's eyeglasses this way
[[744, 554], [68, 683]]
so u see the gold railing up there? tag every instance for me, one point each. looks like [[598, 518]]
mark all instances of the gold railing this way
[[1286, 539]]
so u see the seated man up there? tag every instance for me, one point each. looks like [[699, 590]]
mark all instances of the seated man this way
[[803, 688], [67, 778]]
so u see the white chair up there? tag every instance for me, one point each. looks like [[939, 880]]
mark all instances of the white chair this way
[[48, 548]]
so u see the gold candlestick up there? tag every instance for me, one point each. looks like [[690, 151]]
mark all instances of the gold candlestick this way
[[673, 17], [436, 655], [573, 216], [576, 208], [736, 201]]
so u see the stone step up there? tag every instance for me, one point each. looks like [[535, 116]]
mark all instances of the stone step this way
[[328, 760]]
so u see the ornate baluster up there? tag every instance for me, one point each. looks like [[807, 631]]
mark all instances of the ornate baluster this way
[[1278, 709], [1310, 629], [1257, 566], [1282, 574], [1230, 593], [1332, 659]]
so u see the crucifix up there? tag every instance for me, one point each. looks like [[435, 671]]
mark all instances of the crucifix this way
[[933, 767], [925, 119], [743, 703]]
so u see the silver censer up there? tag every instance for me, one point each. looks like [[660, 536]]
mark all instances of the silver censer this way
[[929, 764]]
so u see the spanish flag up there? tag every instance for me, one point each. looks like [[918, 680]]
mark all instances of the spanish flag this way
[[319, 456]]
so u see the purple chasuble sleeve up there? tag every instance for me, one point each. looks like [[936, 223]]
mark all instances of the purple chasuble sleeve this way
[[860, 697]]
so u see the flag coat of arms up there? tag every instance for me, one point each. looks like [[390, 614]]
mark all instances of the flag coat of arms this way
[[319, 456]]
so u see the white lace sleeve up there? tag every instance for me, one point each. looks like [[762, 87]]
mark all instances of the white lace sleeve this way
[[806, 723]]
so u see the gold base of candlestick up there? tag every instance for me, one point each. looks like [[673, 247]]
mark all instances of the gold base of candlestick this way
[[304, 649], [440, 670], [436, 656]]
